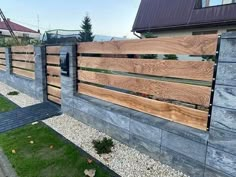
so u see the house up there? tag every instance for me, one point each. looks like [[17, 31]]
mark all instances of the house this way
[[185, 17], [20, 31], [103, 38]]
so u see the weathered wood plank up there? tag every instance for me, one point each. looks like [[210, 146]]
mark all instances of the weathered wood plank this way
[[53, 70], [183, 115], [53, 49], [3, 62], [24, 57], [2, 55], [23, 65], [23, 73], [54, 91], [2, 50], [188, 45], [54, 99], [55, 81], [196, 70], [52, 59], [165, 90], [2, 67], [22, 49]]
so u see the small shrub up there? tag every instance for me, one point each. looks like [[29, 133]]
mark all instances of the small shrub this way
[[13, 93], [104, 146]]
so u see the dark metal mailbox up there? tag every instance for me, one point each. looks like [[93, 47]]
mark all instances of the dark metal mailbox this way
[[64, 62]]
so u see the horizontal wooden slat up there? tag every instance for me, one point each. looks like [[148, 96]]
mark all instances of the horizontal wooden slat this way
[[53, 70], [55, 81], [52, 59], [2, 50], [3, 62], [183, 115], [196, 70], [24, 57], [166, 90], [23, 73], [2, 67], [54, 91], [22, 49], [23, 65], [54, 99], [188, 45], [2, 55], [53, 49]]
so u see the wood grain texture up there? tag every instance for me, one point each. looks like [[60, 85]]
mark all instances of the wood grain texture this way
[[52, 59], [166, 90], [54, 99], [24, 57], [183, 115], [23, 73], [2, 62], [53, 70], [54, 81], [54, 91], [188, 45], [2, 67], [196, 70], [22, 49], [2, 50], [53, 49], [23, 65], [2, 55]]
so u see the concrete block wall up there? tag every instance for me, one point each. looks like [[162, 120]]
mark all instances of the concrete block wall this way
[[33, 87]]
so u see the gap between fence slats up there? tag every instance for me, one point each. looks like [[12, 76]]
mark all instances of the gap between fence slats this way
[[187, 45], [183, 115], [23, 65], [23, 73], [54, 91], [194, 70], [166, 90], [55, 81], [54, 99]]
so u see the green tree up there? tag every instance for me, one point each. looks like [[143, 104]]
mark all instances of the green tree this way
[[86, 34]]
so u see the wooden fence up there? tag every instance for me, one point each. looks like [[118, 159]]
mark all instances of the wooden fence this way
[[23, 61], [122, 80], [53, 73], [2, 59]]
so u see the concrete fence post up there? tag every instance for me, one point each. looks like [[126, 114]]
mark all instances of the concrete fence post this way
[[40, 73], [69, 83], [8, 61], [221, 151]]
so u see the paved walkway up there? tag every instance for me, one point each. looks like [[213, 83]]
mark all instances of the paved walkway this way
[[23, 116]]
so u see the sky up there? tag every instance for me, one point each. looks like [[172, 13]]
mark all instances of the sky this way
[[109, 17]]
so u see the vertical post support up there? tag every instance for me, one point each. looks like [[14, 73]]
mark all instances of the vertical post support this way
[[8, 61]]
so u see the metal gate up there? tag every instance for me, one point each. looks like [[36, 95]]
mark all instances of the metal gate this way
[[53, 74]]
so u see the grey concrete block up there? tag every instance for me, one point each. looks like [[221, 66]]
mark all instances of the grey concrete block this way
[[226, 74], [227, 51], [223, 140], [225, 96], [229, 35], [210, 172], [182, 163], [67, 109], [117, 133], [145, 146], [224, 118], [222, 161], [145, 131], [189, 148]]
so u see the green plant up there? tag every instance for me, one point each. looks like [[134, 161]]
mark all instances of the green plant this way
[[149, 56], [170, 57], [13, 93], [86, 34], [103, 146]]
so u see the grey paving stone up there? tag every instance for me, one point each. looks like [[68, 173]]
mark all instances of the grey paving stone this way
[[189, 148], [224, 118], [223, 140], [146, 131], [222, 161]]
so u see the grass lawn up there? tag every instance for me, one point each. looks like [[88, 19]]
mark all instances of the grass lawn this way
[[6, 105], [39, 151]]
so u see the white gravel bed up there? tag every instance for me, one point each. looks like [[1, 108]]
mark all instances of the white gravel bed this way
[[124, 160], [22, 100]]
